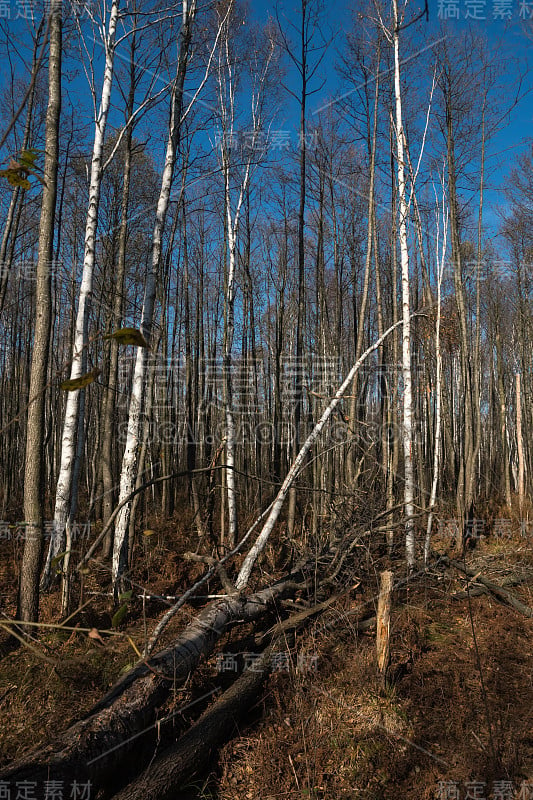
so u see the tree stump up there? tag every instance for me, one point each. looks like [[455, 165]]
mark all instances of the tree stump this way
[[383, 624]]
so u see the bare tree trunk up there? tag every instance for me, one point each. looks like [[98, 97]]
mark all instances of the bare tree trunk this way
[[409, 474], [226, 95], [191, 397], [131, 452], [465, 477], [504, 448], [64, 497], [118, 303], [34, 478], [229, 332], [438, 385], [363, 306], [520, 445]]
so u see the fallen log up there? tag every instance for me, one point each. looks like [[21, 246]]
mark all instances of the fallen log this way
[[123, 723], [498, 591], [476, 591], [193, 751]]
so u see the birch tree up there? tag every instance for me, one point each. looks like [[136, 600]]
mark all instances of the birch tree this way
[[227, 88], [65, 504], [441, 257], [178, 112], [403, 210]]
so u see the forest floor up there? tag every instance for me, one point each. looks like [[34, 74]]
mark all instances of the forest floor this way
[[455, 721]]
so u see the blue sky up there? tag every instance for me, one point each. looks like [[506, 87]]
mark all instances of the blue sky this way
[[503, 22], [503, 26]]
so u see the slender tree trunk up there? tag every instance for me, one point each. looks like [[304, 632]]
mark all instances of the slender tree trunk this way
[[110, 395], [131, 452], [34, 478], [409, 475], [438, 396], [64, 498], [504, 448], [476, 399], [520, 445], [229, 333], [298, 389], [464, 482], [191, 381], [363, 306]]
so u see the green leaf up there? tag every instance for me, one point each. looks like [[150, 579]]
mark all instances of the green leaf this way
[[81, 382], [18, 180], [15, 177], [28, 157], [119, 616], [128, 336], [18, 171], [125, 596], [56, 561]]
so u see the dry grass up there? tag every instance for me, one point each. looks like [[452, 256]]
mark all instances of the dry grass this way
[[333, 733]]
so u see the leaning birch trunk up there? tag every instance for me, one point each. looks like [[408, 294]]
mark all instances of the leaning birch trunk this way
[[68, 441], [409, 477], [131, 452], [258, 547]]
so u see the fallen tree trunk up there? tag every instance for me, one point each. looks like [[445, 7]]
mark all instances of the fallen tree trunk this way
[[498, 591], [476, 591], [193, 751], [123, 723]]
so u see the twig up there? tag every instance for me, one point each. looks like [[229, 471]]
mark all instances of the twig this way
[[27, 644], [212, 562], [497, 590]]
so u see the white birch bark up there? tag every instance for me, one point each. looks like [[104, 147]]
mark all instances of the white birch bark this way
[[438, 379], [409, 476], [70, 427], [230, 419], [520, 445], [256, 550], [226, 92], [131, 452]]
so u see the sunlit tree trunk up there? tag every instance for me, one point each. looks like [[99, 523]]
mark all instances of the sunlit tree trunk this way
[[438, 383], [409, 475], [34, 477], [131, 452], [64, 499]]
